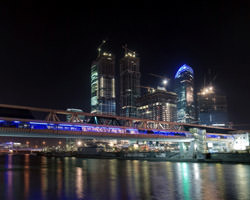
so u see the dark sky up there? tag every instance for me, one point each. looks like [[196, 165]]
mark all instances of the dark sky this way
[[46, 49]]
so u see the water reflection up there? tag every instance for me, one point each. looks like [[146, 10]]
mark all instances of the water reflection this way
[[59, 179], [44, 177], [242, 178], [8, 175], [220, 180], [26, 175], [79, 183], [29, 177]]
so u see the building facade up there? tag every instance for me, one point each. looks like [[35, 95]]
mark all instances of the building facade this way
[[129, 84], [212, 108], [184, 88], [158, 105], [103, 84]]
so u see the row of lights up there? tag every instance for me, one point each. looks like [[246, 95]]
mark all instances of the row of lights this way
[[130, 54], [107, 54], [79, 143], [207, 90]]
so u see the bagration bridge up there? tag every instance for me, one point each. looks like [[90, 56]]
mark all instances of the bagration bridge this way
[[31, 122]]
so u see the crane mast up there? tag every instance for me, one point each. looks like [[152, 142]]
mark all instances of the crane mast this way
[[100, 46]]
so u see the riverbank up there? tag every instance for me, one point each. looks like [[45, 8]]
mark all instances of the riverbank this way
[[157, 156]]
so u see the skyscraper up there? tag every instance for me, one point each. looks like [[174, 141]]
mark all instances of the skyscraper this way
[[103, 84], [158, 104], [212, 107], [129, 83], [184, 88]]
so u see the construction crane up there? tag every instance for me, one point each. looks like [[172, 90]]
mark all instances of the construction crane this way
[[150, 89], [127, 50], [164, 78], [159, 76], [99, 47]]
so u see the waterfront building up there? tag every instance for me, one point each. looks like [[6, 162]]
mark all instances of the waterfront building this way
[[129, 83], [103, 84], [184, 88], [212, 107], [158, 104]]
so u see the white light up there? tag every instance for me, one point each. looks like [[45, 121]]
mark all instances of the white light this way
[[165, 82], [79, 143], [111, 144], [209, 144]]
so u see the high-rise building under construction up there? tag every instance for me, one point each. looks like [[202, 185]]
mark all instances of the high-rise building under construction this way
[[129, 83], [103, 84], [158, 104]]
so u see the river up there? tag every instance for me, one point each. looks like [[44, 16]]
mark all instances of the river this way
[[32, 177]]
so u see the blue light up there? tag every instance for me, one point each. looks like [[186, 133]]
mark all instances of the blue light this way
[[182, 69], [40, 123], [65, 125]]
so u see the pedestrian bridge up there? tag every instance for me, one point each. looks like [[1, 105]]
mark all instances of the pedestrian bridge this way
[[19, 121]]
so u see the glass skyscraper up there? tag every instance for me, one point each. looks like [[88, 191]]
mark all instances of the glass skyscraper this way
[[184, 88], [103, 84], [129, 84]]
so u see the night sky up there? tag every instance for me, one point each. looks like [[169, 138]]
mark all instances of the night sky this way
[[46, 49]]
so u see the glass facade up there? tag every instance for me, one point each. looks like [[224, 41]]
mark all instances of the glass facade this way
[[129, 84], [103, 85], [184, 88]]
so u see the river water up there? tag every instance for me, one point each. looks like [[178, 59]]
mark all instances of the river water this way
[[31, 177]]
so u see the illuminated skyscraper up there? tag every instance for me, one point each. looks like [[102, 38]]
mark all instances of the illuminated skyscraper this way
[[212, 107], [184, 88], [103, 84], [158, 104], [129, 83]]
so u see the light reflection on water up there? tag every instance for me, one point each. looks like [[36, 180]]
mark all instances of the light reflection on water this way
[[29, 177]]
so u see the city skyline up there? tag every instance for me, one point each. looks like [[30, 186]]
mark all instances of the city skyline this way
[[52, 52], [125, 99]]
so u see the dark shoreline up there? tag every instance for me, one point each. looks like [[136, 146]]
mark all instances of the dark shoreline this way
[[226, 158]]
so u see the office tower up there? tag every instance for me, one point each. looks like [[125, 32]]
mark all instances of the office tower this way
[[184, 88], [103, 84], [129, 83], [158, 104], [212, 107]]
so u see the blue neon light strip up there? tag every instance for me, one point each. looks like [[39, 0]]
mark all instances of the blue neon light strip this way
[[42, 123], [88, 128], [218, 136]]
